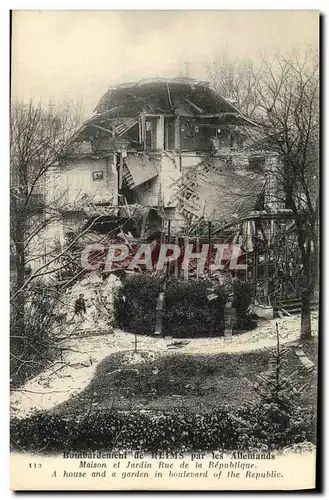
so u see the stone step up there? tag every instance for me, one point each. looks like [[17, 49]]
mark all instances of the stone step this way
[[290, 304], [295, 310], [290, 301], [306, 362], [296, 306]]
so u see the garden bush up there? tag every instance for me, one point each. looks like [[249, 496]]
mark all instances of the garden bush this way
[[33, 345], [246, 428], [135, 303], [186, 310]]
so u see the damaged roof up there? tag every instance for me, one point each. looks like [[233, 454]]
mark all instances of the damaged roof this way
[[163, 95], [119, 108]]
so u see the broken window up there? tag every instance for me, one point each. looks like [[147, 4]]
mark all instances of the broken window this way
[[224, 137], [150, 134], [256, 163], [189, 132], [169, 131], [133, 136]]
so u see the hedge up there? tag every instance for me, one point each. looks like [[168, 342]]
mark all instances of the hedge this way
[[186, 309], [247, 427], [135, 304]]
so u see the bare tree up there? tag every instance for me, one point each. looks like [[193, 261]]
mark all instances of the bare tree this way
[[42, 143], [283, 97], [235, 80], [288, 96], [39, 145]]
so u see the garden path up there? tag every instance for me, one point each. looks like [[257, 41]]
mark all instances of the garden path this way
[[81, 355]]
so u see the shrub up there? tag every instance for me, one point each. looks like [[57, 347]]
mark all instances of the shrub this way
[[269, 426], [135, 303], [32, 334], [280, 399], [186, 310], [245, 428]]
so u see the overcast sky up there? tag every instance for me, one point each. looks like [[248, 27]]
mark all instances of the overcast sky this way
[[64, 55]]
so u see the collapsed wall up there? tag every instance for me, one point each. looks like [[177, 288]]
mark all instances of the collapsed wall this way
[[214, 190], [99, 298]]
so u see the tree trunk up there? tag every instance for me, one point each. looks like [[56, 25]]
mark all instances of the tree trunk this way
[[314, 271], [19, 302], [305, 326], [306, 292]]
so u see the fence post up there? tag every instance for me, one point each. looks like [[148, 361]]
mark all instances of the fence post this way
[[266, 274], [197, 250], [158, 314], [186, 242], [168, 263], [176, 261], [230, 318], [209, 249]]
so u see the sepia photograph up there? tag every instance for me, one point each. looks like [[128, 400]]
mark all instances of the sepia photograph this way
[[164, 249]]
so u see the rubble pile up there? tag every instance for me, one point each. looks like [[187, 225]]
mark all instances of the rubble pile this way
[[99, 299]]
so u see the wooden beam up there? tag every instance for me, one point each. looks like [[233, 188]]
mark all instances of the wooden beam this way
[[213, 115], [140, 131], [177, 134], [168, 241], [156, 115], [194, 106], [209, 243], [100, 116], [169, 96], [180, 102], [93, 120], [176, 260], [101, 128], [160, 133], [210, 125], [197, 250], [120, 171], [145, 101], [223, 115], [143, 225]]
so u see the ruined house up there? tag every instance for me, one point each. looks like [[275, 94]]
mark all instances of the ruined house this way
[[172, 155], [173, 146]]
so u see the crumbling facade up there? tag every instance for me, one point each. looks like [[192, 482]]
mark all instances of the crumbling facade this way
[[170, 160], [174, 146]]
